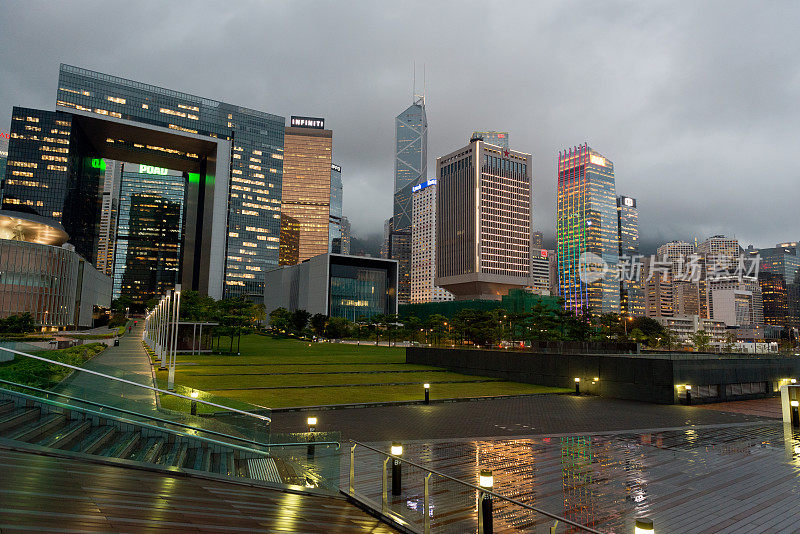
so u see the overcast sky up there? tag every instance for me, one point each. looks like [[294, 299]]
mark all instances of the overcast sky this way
[[696, 103]]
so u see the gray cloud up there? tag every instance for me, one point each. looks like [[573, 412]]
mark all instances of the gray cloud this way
[[696, 103]]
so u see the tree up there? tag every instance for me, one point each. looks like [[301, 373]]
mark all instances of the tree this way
[[236, 316], [337, 328], [318, 323], [196, 307], [18, 324], [437, 324], [701, 341], [300, 320], [730, 342], [121, 304], [280, 319]]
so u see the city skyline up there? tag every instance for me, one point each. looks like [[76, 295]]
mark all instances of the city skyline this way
[[678, 163]]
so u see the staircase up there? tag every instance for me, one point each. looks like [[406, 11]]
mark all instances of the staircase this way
[[35, 421]]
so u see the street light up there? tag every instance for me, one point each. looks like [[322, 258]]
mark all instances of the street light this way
[[427, 393], [396, 450], [486, 482]]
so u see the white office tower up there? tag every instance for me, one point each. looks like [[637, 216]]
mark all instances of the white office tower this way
[[423, 246]]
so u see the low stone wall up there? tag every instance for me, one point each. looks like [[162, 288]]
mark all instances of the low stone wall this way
[[648, 378]]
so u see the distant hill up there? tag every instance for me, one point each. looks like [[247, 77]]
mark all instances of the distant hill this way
[[369, 245]]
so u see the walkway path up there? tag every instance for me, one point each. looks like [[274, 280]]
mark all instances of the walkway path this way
[[129, 361]]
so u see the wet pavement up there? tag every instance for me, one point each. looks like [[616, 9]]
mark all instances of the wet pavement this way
[[724, 478]]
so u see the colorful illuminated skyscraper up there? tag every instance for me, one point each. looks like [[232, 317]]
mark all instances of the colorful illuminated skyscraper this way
[[587, 223]]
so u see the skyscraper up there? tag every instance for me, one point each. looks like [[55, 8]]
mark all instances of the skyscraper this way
[[149, 231], [587, 223], [4, 137], [306, 190], [493, 138], [410, 169], [346, 234], [779, 278], [483, 230], [108, 217], [537, 241], [335, 223], [632, 302], [233, 157], [423, 246]]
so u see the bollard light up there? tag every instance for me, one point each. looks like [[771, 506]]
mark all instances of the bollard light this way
[[795, 413], [793, 380], [397, 474], [688, 394], [312, 424], [194, 395], [486, 482], [643, 526], [427, 393], [577, 386], [312, 427]]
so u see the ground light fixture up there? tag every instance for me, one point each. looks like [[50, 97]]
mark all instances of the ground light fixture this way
[[795, 412], [792, 380], [577, 386], [312, 427], [194, 395], [427, 392], [486, 482], [397, 474], [643, 526]]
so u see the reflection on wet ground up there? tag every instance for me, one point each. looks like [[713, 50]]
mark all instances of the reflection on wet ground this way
[[734, 478]]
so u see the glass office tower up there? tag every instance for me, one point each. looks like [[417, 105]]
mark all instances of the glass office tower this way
[[632, 301], [235, 153], [306, 192], [149, 232], [335, 223], [587, 223], [410, 169], [779, 278]]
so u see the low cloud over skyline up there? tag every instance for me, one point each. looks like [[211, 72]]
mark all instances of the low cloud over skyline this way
[[695, 103]]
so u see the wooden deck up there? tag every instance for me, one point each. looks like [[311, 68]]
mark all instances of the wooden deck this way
[[47, 494]]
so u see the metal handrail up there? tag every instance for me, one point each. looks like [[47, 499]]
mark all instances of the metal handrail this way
[[268, 420], [484, 490], [166, 421], [168, 430]]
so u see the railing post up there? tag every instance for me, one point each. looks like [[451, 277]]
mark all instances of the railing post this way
[[426, 502], [385, 486], [353, 470]]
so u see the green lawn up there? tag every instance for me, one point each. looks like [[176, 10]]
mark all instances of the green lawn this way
[[222, 377]]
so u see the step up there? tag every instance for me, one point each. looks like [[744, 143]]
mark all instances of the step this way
[[263, 469], [18, 417], [149, 451], [39, 428], [202, 460], [6, 405], [222, 462], [98, 437], [67, 435], [175, 456], [122, 446]]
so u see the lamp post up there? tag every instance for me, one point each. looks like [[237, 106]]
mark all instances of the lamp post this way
[[427, 393], [643, 526], [397, 484], [176, 310], [577, 386], [312, 427], [486, 481], [795, 409]]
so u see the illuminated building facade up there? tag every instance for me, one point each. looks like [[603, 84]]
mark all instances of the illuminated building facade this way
[[336, 285], [423, 246], [108, 217], [483, 230], [587, 223], [306, 194], [631, 291], [4, 137], [779, 278], [410, 170], [149, 232], [233, 157], [540, 282], [290, 241], [493, 138], [346, 235], [537, 241], [335, 223], [41, 276]]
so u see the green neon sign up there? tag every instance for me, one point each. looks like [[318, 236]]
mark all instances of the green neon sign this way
[[98, 163]]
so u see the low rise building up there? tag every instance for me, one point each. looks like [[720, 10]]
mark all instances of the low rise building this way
[[336, 285], [684, 326]]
